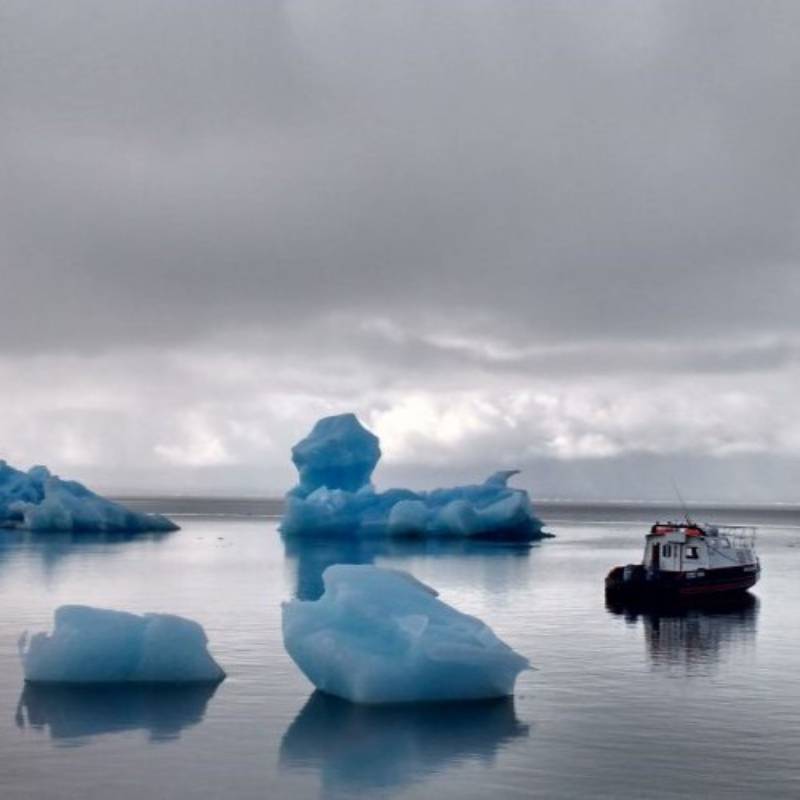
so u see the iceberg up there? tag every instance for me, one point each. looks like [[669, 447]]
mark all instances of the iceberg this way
[[380, 636], [97, 645], [335, 495], [37, 500], [340, 453]]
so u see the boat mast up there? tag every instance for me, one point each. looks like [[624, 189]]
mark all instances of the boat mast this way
[[681, 500]]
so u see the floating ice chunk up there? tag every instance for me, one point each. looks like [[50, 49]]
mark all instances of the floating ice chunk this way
[[36, 500], [96, 645], [380, 636], [335, 495]]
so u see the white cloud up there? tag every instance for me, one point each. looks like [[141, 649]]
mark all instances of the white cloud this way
[[174, 420], [198, 443]]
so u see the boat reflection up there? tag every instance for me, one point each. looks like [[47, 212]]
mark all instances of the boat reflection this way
[[358, 748], [75, 713], [309, 557], [694, 638]]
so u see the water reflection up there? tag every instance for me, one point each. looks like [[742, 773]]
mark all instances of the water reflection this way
[[310, 557], [54, 546], [694, 639], [74, 713], [366, 747]]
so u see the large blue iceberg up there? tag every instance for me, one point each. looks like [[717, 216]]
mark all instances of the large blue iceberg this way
[[380, 636], [98, 645], [36, 500], [335, 495]]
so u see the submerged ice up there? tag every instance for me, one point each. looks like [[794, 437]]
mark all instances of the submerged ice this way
[[37, 500], [335, 495], [97, 645], [380, 636]]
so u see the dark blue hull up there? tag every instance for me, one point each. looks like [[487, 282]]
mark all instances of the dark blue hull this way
[[634, 582]]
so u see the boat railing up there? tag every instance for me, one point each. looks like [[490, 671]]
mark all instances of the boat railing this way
[[739, 535]]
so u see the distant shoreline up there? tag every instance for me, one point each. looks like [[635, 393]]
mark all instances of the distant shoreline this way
[[550, 511]]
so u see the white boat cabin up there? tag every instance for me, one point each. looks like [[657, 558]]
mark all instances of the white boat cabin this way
[[687, 547]]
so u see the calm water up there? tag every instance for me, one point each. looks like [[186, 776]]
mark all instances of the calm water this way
[[700, 705]]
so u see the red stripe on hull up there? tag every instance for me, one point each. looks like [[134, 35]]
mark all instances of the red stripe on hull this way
[[719, 587]]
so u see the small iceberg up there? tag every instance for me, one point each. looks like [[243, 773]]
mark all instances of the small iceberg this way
[[37, 500], [381, 636], [97, 645], [335, 495]]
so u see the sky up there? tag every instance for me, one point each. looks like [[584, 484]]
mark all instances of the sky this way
[[559, 236]]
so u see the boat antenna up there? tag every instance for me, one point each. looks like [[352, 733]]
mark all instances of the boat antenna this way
[[681, 500]]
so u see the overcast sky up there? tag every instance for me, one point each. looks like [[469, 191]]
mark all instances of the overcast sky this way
[[562, 236]]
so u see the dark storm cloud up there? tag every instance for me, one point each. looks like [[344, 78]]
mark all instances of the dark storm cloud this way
[[544, 172], [561, 236]]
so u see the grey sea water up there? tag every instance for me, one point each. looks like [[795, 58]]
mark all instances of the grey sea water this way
[[700, 704]]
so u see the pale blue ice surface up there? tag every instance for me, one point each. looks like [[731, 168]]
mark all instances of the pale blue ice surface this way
[[380, 636], [37, 500], [335, 495], [96, 645]]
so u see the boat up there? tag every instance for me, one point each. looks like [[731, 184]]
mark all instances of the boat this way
[[686, 561]]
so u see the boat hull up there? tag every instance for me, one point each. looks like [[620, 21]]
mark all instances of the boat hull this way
[[636, 583]]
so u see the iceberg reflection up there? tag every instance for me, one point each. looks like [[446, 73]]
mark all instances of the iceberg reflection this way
[[78, 712], [356, 747], [309, 557], [54, 547]]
